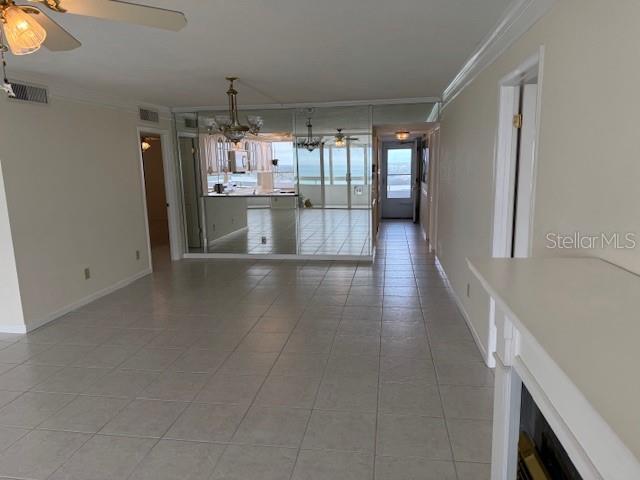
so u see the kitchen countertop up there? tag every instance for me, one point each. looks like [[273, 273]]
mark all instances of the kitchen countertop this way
[[250, 192], [585, 313]]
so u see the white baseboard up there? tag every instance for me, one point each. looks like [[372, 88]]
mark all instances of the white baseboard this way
[[13, 329], [277, 256], [81, 303], [467, 319], [226, 236]]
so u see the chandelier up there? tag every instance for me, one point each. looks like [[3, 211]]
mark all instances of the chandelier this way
[[229, 125], [311, 142]]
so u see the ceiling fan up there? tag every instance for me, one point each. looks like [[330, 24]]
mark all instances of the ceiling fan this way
[[27, 27], [341, 139]]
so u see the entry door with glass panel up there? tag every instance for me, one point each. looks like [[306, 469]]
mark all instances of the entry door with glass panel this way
[[398, 178]]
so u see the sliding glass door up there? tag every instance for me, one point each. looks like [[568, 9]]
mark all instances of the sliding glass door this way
[[335, 176]]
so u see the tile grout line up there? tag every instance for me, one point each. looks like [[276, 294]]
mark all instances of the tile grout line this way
[[433, 364], [255, 396], [324, 372]]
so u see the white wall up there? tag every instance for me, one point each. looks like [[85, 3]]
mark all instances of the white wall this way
[[224, 215], [75, 200], [588, 165], [12, 317]]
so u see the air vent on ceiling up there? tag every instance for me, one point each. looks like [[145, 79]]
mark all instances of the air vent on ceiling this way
[[29, 93], [147, 115], [190, 123]]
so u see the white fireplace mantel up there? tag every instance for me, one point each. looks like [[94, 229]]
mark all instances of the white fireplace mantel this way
[[569, 329]]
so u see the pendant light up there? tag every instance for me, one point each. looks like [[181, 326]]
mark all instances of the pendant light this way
[[311, 142], [230, 125], [23, 33]]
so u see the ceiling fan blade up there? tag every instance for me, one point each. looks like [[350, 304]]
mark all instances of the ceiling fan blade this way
[[58, 39], [127, 12]]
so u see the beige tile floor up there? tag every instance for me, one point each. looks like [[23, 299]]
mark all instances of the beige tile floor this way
[[254, 370], [318, 231]]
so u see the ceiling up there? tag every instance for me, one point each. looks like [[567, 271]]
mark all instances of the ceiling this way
[[284, 51]]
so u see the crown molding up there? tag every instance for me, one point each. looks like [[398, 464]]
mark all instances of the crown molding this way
[[516, 21], [346, 103]]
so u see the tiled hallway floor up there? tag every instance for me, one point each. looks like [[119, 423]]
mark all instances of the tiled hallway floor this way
[[254, 370]]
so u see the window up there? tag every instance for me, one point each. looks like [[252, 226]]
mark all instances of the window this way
[[285, 171], [399, 172], [338, 166], [359, 167], [309, 167]]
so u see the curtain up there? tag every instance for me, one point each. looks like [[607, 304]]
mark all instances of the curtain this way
[[214, 154]]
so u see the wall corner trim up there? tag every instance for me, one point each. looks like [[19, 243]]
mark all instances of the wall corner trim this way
[[516, 21], [84, 301]]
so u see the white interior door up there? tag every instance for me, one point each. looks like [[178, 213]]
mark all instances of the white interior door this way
[[398, 180], [524, 172]]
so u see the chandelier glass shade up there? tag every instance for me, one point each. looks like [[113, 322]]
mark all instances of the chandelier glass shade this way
[[229, 125], [23, 33], [310, 142]]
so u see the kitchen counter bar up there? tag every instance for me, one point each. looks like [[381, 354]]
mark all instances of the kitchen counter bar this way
[[250, 194]]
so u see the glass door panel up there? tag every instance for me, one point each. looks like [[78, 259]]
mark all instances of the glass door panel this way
[[360, 181], [310, 178], [399, 173], [336, 173], [398, 170]]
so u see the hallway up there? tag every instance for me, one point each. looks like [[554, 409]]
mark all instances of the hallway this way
[[255, 370]]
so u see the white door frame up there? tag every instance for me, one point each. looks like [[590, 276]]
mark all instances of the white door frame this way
[[170, 187], [434, 162], [506, 152], [397, 145], [180, 187]]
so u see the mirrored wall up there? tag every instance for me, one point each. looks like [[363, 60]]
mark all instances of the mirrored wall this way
[[302, 185]]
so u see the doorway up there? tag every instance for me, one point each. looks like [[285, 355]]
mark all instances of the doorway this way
[[191, 186], [398, 174], [515, 169], [518, 128], [154, 183]]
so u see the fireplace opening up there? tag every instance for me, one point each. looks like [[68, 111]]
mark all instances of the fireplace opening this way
[[541, 456]]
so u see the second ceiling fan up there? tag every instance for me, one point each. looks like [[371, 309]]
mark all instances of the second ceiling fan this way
[[27, 27]]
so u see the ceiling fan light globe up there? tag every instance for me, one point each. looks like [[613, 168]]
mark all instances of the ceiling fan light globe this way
[[23, 33]]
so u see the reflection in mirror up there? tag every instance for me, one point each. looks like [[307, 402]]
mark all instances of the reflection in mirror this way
[[189, 174], [334, 180], [249, 195], [290, 189]]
